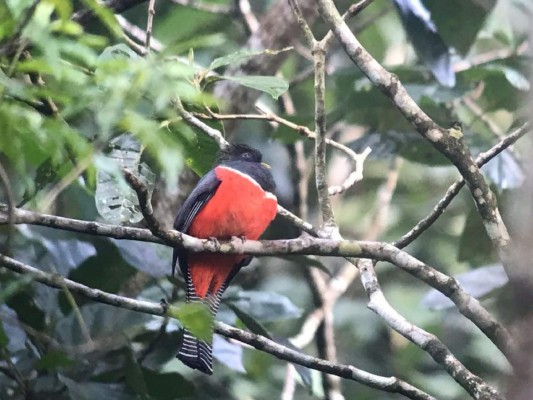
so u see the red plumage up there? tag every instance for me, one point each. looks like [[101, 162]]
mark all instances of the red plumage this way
[[239, 207], [233, 200]]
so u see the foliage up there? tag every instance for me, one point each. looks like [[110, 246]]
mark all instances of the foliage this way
[[69, 90]]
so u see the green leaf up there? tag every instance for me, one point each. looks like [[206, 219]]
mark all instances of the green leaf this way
[[250, 322], [4, 340], [110, 324], [53, 360], [475, 246], [168, 386], [195, 317], [116, 201], [257, 328], [272, 85], [93, 390], [117, 51], [14, 286], [151, 258], [240, 56], [134, 375], [409, 145], [304, 372], [105, 15], [228, 353], [15, 334]]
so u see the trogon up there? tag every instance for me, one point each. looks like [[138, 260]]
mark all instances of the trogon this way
[[234, 199]]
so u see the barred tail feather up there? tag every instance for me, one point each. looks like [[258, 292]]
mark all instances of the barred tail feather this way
[[195, 353]]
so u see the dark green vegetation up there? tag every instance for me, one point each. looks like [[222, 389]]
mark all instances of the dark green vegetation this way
[[71, 86]]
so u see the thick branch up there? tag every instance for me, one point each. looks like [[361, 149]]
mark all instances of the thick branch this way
[[474, 385], [389, 384], [466, 304], [455, 188]]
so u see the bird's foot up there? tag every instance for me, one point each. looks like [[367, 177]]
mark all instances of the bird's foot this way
[[164, 305], [241, 237], [215, 241]]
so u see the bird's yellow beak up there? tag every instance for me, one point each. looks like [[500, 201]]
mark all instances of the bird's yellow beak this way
[[264, 164]]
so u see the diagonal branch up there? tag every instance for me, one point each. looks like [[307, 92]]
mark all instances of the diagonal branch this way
[[454, 189], [389, 384], [448, 141], [473, 384]]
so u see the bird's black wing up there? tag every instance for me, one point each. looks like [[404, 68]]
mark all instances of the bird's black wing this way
[[204, 190]]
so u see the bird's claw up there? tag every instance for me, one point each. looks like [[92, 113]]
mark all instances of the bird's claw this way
[[215, 241], [164, 304], [241, 237]]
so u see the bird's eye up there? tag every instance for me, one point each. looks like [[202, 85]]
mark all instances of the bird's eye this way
[[246, 155]]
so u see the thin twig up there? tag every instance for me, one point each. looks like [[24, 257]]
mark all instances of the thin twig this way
[[192, 120], [357, 159], [251, 22], [133, 31], [297, 11], [352, 11], [149, 25]]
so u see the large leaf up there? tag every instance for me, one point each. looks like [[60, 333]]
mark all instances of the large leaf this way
[[110, 325], [272, 85], [168, 386], [304, 372], [13, 336], [115, 200], [459, 21], [265, 306], [93, 390], [504, 171], [478, 282], [257, 328], [196, 317], [53, 360], [151, 258], [475, 246], [228, 353]]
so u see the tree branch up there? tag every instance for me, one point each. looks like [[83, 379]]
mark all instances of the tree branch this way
[[389, 384], [473, 384], [466, 304], [448, 141]]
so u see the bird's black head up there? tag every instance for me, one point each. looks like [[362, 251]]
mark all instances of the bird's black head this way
[[239, 152], [247, 160]]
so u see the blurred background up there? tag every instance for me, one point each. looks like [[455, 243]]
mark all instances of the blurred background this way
[[81, 97]]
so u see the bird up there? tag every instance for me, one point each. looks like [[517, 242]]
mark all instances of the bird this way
[[234, 199]]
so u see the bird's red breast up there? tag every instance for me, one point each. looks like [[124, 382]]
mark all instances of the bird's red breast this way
[[240, 207]]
